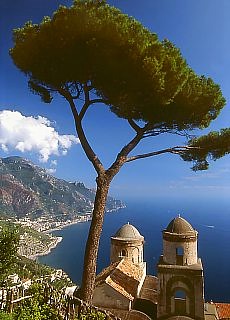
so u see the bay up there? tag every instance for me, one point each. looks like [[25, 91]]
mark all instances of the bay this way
[[210, 217]]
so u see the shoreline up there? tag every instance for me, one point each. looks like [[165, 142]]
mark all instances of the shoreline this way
[[58, 239], [47, 251], [86, 218]]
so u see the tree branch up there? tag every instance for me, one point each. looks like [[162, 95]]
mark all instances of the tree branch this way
[[157, 131], [93, 158], [122, 155], [74, 88], [97, 101], [134, 125], [173, 150], [88, 102], [86, 106]]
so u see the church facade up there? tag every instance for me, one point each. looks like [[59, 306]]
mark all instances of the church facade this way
[[177, 291]]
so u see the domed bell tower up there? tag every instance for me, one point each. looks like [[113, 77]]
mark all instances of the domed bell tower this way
[[180, 273], [127, 243]]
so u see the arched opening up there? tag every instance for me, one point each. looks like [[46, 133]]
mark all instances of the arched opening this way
[[179, 255], [135, 255], [180, 302], [180, 296], [123, 253]]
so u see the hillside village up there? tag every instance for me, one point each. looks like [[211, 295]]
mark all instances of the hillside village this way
[[39, 203]]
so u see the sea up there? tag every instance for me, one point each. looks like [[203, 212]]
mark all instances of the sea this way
[[210, 217]]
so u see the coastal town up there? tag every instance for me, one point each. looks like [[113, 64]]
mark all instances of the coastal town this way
[[39, 203], [48, 223], [37, 239]]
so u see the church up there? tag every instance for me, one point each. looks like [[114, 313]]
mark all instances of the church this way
[[176, 292]]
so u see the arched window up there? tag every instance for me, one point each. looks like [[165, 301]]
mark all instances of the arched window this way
[[180, 294], [180, 302], [135, 255]]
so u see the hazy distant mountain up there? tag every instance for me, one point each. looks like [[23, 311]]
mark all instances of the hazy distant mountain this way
[[27, 190]]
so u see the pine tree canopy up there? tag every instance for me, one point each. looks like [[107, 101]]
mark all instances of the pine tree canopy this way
[[211, 146], [138, 76]]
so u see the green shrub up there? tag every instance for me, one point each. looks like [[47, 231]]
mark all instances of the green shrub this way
[[35, 308], [5, 316]]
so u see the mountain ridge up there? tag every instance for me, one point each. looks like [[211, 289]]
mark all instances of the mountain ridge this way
[[28, 191]]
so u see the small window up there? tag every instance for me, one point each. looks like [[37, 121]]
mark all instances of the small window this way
[[123, 253], [179, 255], [180, 251]]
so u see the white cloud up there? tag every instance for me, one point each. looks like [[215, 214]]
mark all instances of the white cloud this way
[[53, 165], [34, 134], [51, 171]]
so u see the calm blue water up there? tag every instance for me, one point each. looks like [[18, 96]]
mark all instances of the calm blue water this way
[[150, 219]]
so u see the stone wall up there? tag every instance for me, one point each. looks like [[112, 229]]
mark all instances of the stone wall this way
[[189, 249], [105, 296], [132, 250]]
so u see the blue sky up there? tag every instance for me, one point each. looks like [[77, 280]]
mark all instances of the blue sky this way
[[201, 29]]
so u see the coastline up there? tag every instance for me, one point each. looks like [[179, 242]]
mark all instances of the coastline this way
[[83, 218], [58, 239], [64, 225], [47, 250]]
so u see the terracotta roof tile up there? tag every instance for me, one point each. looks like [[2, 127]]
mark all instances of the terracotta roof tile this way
[[223, 310], [149, 289], [101, 277], [120, 289], [130, 269], [123, 276]]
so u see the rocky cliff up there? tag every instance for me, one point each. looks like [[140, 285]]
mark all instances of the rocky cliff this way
[[27, 190]]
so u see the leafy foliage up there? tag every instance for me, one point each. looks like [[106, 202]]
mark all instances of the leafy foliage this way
[[24, 267], [211, 146], [9, 239], [5, 316], [27, 268], [36, 307], [40, 90], [135, 73]]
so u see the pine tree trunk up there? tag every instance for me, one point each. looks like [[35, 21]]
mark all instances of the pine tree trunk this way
[[92, 245]]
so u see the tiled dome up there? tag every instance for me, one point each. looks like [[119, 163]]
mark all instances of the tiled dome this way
[[128, 231], [179, 226]]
